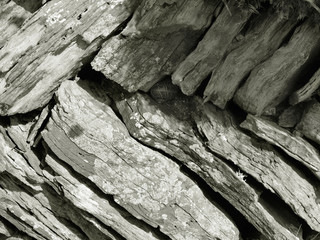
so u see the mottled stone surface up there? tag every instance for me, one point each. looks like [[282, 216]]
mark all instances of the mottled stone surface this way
[[61, 35], [262, 38], [92, 160], [261, 161], [271, 82], [87, 135], [162, 129], [210, 50], [97, 205], [155, 41], [294, 146]]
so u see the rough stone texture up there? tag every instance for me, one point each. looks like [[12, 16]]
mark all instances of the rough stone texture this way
[[210, 50], [12, 17], [272, 81], [265, 34], [161, 128], [87, 135], [294, 146], [291, 116], [61, 35], [95, 161], [90, 202], [310, 123], [156, 40], [24, 202], [260, 161]]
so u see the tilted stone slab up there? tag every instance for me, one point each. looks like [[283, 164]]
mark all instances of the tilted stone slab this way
[[210, 50], [294, 146], [85, 133], [271, 82], [261, 161], [160, 126], [159, 36], [260, 41], [51, 46]]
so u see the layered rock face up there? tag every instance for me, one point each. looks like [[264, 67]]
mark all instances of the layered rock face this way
[[159, 119]]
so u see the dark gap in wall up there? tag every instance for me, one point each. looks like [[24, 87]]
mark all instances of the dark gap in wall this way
[[299, 167], [287, 38], [282, 213], [4, 121], [317, 96], [200, 90], [310, 234], [87, 72], [50, 106], [108, 197], [30, 6], [238, 114], [279, 110], [309, 68], [112, 89]]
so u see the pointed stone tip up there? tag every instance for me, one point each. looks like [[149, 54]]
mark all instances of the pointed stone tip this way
[[206, 99]]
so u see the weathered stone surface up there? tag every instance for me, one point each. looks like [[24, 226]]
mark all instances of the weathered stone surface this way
[[310, 123], [294, 146], [38, 123], [291, 116], [210, 50], [260, 161], [14, 163], [156, 40], [176, 166], [307, 90], [261, 40], [160, 127], [18, 131], [24, 202], [272, 81], [12, 17], [85, 133], [84, 198], [61, 35]]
